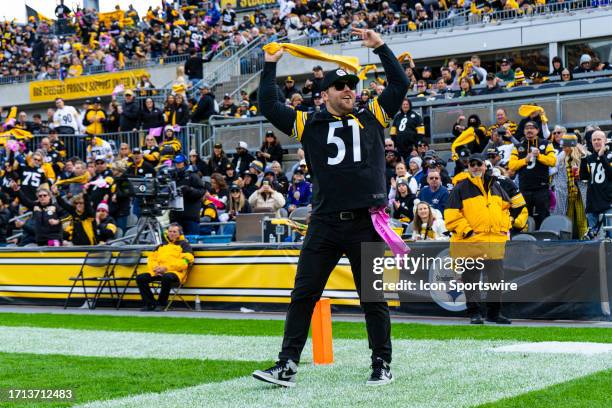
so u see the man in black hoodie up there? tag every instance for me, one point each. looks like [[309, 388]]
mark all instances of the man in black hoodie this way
[[194, 66], [193, 190], [205, 107], [129, 120]]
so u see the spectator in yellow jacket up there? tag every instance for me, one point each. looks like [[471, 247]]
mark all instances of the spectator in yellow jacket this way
[[477, 214], [94, 118], [168, 264]]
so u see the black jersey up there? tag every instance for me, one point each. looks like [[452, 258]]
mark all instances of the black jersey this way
[[597, 171], [345, 155], [345, 158], [407, 130], [30, 178]]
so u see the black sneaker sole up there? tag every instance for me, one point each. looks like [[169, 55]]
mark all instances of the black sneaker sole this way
[[261, 376], [379, 383]]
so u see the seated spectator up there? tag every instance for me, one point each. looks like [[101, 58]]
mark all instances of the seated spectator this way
[[584, 64], [170, 146], [280, 177], [242, 158], [428, 224], [492, 85], [434, 193], [151, 116], [271, 150], [402, 201], [265, 198], [218, 161], [150, 151], [197, 165], [557, 66], [238, 203], [465, 86], [46, 218], [566, 75], [104, 225], [227, 107], [415, 170], [129, 119], [506, 73], [168, 264], [299, 193]]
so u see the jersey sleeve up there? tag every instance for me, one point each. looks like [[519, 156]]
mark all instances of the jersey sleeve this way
[[378, 112], [298, 125]]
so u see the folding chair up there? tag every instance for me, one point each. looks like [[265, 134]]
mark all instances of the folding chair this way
[[126, 259], [175, 291], [98, 261]]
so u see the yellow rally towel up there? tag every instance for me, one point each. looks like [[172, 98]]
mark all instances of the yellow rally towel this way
[[465, 137], [404, 56], [527, 110], [300, 51], [364, 71], [82, 179]]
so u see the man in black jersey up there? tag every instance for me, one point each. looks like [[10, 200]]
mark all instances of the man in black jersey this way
[[344, 152], [596, 169]]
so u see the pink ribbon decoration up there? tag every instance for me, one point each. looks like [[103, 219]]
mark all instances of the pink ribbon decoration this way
[[9, 123], [118, 89], [13, 145], [380, 221]]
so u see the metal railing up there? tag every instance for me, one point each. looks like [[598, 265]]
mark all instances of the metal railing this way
[[570, 106], [231, 66], [191, 136]]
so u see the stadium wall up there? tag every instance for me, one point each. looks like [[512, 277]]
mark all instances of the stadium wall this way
[[562, 279]]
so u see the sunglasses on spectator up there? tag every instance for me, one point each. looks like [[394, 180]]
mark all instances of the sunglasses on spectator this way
[[556, 133], [79, 203], [433, 178], [475, 164], [42, 195], [340, 86], [37, 160], [234, 191]]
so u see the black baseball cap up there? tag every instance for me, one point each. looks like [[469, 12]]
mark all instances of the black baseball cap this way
[[492, 152], [317, 68], [476, 157], [218, 146], [338, 75], [234, 187], [316, 95], [505, 61], [464, 153], [136, 150], [97, 99]]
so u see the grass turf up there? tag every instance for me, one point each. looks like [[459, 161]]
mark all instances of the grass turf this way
[[590, 391], [341, 330], [101, 378]]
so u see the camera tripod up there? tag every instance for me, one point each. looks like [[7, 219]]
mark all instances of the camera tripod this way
[[148, 230]]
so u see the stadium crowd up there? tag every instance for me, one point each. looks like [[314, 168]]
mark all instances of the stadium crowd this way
[[80, 41], [85, 200]]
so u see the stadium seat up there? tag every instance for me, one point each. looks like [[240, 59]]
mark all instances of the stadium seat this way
[[99, 262], [554, 227], [175, 292], [300, 213], [576, 83], [524, 237], [125, 259], [548, 86], [602, 80], [530, 224]]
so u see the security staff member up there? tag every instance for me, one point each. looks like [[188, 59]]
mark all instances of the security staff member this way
[[407, 130], [531, 159], [477, 216], [344, 151]]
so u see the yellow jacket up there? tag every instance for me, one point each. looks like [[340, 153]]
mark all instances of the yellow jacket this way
[[91, 121], [176, 257], [474, 215]]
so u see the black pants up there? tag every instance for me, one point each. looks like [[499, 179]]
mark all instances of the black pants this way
[[168, 280], [328, 238], [538, 204], [495, 273]]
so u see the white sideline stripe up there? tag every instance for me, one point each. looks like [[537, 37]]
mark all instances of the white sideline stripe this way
[[429, 373], [336, 294], [199, 260], [557, 347]]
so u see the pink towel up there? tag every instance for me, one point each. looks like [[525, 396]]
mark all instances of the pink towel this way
[[380, 220], [156, 132]]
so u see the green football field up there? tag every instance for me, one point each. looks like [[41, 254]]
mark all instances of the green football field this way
[[110, 361]]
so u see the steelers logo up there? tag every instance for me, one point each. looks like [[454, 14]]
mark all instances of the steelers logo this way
[[341, 72]]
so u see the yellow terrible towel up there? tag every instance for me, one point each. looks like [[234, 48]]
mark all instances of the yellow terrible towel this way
[[300, 51], [526, 111]]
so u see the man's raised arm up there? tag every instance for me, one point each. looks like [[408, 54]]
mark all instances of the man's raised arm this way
[[397, 83], [274, 110]]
